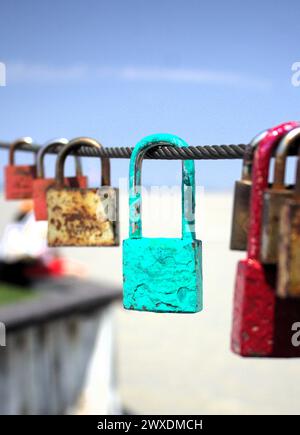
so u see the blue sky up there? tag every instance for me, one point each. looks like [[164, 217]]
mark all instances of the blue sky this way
[[211, 72]]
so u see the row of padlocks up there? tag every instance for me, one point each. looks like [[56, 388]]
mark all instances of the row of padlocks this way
[[65, 202], [165, 274], [266, 222]]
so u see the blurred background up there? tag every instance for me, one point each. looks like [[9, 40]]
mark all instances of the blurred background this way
[[211, 72]]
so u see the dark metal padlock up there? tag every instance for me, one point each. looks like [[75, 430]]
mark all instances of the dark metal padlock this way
[[19, 178], [82, 217], [241, 202], [273, 199], [42, 184], [262, 322], [288, 281]]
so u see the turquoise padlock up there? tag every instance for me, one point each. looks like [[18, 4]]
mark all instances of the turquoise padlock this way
[[162, 274]]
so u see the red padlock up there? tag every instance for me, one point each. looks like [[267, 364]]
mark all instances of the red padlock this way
[[42, 184], [19, 178], [262, 322]]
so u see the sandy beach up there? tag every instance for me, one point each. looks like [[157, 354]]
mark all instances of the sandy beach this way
[[182, 364]]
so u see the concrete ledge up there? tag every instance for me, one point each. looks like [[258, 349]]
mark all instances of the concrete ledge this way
[[58, 298]]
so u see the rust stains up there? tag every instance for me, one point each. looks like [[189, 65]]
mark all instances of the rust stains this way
[[78, 217]]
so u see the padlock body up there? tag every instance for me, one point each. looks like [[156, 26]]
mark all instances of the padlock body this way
[[240, 215], [262, 322], [272, 204], [83, 217], [40, 187], [288, 283], [19, 181], [162, 275]]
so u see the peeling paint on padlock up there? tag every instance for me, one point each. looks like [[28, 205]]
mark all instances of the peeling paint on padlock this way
[[162, 274], [77, 217]]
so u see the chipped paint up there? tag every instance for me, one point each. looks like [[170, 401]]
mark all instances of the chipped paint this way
[[76, 217], [160, 274]]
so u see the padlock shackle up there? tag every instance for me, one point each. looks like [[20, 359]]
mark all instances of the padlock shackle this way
[[74, 145], [283, 148], [249, 156], [16, 145], [54, 144], [261, 165], [187, 186]]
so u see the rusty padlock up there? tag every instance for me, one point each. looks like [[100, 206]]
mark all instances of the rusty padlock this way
[[262, 321], [42, 184], [241, 202], [19, 178], [273, 199], [288, 281], [82, 217]]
